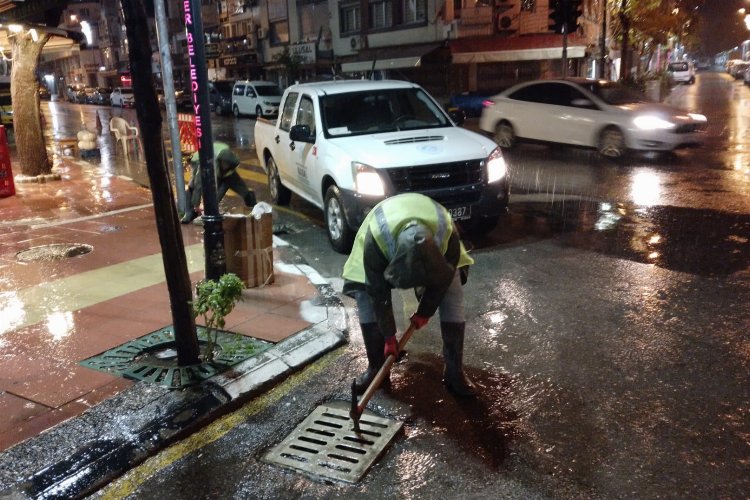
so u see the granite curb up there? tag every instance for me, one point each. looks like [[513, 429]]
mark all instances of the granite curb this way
[[82, 454]]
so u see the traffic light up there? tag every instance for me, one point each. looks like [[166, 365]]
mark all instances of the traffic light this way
[[564, 13], [573, 12], [557, 15]]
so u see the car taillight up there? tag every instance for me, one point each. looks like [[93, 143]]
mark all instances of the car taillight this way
[[487, 103]]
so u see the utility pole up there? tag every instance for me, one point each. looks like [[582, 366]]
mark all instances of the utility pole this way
[[603, 42], [213, 233], [162, 36], [566, 7]]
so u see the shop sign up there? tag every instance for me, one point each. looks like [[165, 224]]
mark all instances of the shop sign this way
[[305, 52], [229, 61]]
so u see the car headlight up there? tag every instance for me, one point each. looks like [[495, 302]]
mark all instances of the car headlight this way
[[496, 167], [268, 103], [652, 123], [698, 117], [367, 180]]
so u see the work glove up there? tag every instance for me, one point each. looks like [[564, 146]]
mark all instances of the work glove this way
[[391, 346], [418, 321]]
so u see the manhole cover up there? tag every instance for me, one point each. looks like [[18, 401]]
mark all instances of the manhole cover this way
[[326, 445], [55, 251]]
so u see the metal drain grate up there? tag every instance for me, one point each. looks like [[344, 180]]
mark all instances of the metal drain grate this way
[[326, 445]]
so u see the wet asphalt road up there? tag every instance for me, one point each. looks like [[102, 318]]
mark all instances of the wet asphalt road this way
[[608, 325]]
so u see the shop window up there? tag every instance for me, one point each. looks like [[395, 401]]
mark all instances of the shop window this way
[[381, 14], [279, 32], [415, 11], [351, 18]]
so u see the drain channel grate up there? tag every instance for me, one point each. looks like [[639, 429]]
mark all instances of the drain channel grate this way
[[326, 445]]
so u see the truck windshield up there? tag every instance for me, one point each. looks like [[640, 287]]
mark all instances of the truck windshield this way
[[378, 111]]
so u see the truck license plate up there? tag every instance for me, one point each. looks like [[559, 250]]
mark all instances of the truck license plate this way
[[460, 212]]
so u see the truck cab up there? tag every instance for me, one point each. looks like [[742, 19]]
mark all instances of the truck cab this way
[[346, 145]]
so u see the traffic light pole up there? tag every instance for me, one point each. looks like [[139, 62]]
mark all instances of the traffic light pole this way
[[566, 8]]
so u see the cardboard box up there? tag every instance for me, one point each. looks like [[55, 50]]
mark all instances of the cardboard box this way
[[248, 244]]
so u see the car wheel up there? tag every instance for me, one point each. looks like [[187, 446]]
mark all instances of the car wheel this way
[[479, 226], [258, 112], [611, 143], [236, 111], [340, 234], [280, 194], [505, 137]]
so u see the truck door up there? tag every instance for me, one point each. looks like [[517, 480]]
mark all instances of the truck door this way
[[305, 154], [285, 156]]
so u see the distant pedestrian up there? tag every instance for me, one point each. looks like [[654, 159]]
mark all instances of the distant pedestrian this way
[[226, 163], [409, 241]]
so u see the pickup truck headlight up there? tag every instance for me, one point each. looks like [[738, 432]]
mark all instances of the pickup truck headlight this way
[[367, 180], [496, 167]]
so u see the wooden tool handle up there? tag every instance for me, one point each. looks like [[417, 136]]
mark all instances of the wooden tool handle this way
[[383, 372]]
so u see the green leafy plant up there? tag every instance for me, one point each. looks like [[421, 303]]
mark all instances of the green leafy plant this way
[[214, 300]]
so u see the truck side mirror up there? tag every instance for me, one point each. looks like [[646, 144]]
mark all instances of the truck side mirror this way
[[301, 133]]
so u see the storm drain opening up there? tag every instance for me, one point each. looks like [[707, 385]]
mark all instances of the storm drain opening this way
[[54, 251], [326, 445]]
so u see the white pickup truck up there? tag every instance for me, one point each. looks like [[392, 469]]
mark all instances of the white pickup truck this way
[[346, 145]]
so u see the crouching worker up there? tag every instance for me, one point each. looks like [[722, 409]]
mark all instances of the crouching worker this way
[[409, 241], [225, 165]]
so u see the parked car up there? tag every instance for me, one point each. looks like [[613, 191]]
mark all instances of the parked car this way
[[101, 96], [87, 97], [471, 103], [220, 96], [73, 92], [591, 113], [258, 98], [44, 94], [681, 72], [737, 70], [6, 110], [122, 97], [183, 99]]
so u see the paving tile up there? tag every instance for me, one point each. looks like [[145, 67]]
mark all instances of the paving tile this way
[[271, 327], [17, 410]]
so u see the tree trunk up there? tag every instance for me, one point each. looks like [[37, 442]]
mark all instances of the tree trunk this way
[[625, 52], [32, 152]]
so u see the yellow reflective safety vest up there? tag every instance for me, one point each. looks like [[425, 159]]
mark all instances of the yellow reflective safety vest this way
[[386, 221]]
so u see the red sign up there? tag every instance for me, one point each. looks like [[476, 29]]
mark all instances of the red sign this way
[[188, 133], [7, 188]]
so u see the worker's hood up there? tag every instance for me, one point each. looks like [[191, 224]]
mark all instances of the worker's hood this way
[[418, 261]]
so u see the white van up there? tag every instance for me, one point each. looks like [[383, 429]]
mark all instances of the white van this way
[[257, 98], [682, 72]]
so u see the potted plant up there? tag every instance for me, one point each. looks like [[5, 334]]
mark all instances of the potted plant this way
[[214, 300]]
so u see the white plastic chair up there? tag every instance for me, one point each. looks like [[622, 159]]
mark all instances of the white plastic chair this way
[[123, 132]]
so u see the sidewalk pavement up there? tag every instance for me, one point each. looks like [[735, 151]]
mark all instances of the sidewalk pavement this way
[[68, 429]]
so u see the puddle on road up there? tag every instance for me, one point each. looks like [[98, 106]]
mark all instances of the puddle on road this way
[[696, 241]]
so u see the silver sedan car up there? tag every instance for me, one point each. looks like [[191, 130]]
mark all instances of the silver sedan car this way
[[590, 113]]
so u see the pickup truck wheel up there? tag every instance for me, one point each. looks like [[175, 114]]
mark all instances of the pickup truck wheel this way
[[236, 111], [340, 234], [280, 194], [479, 226]]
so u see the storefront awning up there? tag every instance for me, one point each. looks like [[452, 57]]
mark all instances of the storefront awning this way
[[390, 58], [520, 48]]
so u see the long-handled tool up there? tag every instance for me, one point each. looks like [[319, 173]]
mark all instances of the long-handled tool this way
[[358, 407]]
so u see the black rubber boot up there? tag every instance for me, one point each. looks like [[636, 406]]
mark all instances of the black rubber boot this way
[[453, 353], [374, 346], [189, 216], [250, 199]]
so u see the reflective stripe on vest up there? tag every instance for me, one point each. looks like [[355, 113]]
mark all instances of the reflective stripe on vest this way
[[386, 240]]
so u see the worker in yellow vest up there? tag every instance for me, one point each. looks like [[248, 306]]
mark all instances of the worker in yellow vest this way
[[409, 241], [225, 168]]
